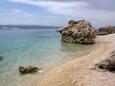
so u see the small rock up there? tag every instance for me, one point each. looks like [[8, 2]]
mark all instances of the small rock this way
[[29, 69], [102, 33]]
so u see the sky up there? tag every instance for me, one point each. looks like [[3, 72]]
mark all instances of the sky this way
[[56, 12]]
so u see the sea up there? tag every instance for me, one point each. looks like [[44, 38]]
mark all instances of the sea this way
[[39, 47]]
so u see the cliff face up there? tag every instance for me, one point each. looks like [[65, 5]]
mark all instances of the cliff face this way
[[78, 32]]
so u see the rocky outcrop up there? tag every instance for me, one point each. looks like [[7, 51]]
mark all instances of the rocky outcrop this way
[[107, 29], [78, 32], [29, 69], [108, 63]]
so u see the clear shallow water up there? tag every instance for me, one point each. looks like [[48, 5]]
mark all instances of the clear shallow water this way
[[41, 48]]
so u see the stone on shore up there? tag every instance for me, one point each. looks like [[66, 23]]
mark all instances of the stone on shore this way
[[108, 63], [107, 29], [78, 32], [29, 69]]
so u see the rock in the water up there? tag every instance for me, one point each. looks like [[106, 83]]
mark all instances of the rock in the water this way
[[107, 29], [108, 63], [102, 33], [29, 69], [1, 58], [78, 32]]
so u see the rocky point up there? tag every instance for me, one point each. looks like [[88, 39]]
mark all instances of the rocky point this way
[[80, 31]]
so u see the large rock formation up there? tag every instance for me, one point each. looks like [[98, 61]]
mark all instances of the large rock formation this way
[[108, 63], [107, 29], [78, 32]]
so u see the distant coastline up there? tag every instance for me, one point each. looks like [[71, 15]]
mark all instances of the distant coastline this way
[[28, 26]]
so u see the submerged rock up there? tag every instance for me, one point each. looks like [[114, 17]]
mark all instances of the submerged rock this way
[[78, 32], [107, 29], [108, 63], [29, 69], [1, 58]]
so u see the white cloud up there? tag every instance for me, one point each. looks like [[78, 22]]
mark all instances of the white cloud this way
[[74, 9], [17, 10], [63, 8]]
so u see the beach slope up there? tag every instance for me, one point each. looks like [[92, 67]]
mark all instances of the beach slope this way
[[79, 72]]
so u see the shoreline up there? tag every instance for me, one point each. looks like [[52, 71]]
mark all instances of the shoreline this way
[[78, 72]]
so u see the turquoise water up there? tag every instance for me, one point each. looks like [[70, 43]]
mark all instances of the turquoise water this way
[[41, 48]]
